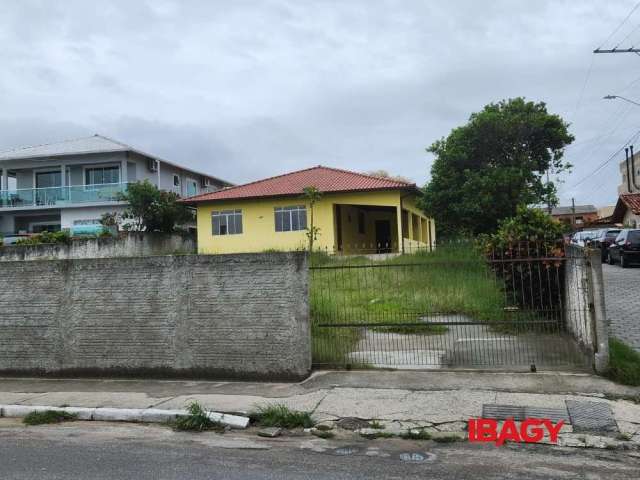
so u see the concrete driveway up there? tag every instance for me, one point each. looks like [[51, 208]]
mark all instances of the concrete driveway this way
[[622, 297]]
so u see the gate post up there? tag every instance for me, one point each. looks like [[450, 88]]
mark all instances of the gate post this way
[[597, 310]]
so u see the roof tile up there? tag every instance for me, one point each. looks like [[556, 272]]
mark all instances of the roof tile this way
[[325, 179]]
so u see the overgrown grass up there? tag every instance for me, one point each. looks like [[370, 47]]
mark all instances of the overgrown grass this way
[[47, 416], [279, 415], [405, 289], [624, 363], [197, 420], [378, 434]]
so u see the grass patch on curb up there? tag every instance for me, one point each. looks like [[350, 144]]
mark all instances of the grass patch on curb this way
[[624, 363], [196, 421], [47, 416], [447, 439], [279, 415], [416, 435], [374, 435]]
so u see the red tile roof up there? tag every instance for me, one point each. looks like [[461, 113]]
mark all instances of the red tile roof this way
[[324, 179], [630, 201]]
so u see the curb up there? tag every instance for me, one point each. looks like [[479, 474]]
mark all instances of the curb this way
[[145, 415]]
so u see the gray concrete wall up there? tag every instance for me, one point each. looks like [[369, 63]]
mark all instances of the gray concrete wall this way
[[584, 303], [222, 316], [133, 244]]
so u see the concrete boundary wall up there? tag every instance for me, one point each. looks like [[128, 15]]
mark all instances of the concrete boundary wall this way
[[222, 316], [132, 244], [584, 308]]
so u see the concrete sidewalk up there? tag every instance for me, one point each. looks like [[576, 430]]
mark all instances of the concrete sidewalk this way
[[442, 401]]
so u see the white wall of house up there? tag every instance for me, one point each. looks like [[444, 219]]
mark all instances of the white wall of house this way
[[69, 215], [631, 219]]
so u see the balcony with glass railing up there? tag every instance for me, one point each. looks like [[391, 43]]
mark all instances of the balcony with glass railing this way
[[62, 196]]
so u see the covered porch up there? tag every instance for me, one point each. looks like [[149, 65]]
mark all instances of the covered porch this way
[[373, 229]]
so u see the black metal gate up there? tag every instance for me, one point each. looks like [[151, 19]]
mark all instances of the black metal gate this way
[[451, 308]]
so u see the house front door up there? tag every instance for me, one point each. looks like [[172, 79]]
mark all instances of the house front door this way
[[383, 236]]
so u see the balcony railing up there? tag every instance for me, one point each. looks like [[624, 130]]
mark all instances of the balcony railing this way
[[57, 196]]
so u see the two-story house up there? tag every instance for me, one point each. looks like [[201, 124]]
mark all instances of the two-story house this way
[[72, 183]]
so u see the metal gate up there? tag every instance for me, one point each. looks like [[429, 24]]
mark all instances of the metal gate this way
[[451, 308]]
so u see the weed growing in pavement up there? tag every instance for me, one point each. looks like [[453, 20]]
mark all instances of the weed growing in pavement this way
[[279, 415], [197, 421], [47, 416]]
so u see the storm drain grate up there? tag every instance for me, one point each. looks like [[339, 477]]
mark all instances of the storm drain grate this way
[[519, 413], [591, 416]]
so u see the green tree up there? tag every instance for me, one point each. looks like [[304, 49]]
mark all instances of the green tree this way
[[496, 162], [153, 210]]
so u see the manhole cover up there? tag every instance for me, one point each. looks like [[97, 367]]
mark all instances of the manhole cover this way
[[350, 423], [343, 451], [417, 457], [519, 413], [591, 416]]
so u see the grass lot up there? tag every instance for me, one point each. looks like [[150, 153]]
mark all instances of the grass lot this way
[[357, 290], [624, 363]]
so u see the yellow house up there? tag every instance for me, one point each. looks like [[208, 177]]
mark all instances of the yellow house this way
[[356, 213]]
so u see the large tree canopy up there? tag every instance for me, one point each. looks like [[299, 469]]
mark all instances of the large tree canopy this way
[[486, 169]]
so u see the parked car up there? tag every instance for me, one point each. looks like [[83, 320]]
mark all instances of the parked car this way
[[625, 249], [583, 238], [604, 239]]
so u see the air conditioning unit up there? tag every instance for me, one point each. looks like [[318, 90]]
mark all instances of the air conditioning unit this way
[[152, 165]]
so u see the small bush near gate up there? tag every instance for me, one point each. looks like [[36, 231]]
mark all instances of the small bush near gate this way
[[47, 416], [279, 415], [197, 420], [624, 363]]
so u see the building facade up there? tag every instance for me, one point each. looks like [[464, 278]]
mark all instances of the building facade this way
[[72, 183], [355, 214]]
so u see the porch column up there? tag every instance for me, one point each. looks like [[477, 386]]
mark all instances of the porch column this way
[[63, 176], [399, 225], [4, 183]]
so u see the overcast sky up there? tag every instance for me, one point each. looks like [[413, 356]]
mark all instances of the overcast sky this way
[[244, 89]]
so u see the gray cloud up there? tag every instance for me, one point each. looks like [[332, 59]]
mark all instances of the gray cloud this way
[[249, 88]]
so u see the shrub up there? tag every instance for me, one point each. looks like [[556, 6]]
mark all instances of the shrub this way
[[153, 210], [47, 416], [46, 237], [279, 415]]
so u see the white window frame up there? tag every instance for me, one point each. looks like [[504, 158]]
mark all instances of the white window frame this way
[[96, 166], [227, 214], [290, 210]]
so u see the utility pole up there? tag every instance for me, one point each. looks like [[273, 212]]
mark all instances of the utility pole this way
[[573, 212]]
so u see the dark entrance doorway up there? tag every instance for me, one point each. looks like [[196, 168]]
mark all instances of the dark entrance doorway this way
[[383, 236]]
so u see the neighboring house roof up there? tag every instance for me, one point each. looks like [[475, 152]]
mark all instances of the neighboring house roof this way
[[604, 212], [84, 146], [325, 179], [627, 201], [579, 209]]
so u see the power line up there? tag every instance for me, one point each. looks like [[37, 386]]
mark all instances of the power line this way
[[619, 26], [633, 138]]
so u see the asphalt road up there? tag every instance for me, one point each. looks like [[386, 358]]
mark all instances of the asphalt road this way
[[108, 451]]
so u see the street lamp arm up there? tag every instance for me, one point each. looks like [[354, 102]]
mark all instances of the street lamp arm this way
[[612, 97]]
